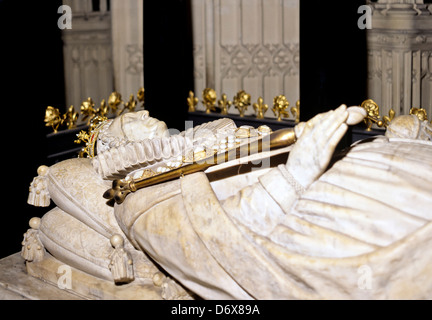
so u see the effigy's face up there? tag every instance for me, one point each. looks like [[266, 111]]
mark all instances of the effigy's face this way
[[139, 126]]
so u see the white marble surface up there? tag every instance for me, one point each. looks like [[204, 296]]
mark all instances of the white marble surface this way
[[316, 227], [16, 284]]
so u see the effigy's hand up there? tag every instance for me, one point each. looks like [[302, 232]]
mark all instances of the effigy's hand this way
[[316, 144]]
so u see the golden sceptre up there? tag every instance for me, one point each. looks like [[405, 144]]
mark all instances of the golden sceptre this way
[[121, 188]]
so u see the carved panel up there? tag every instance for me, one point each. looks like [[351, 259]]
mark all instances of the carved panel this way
[[250, 45], [87, 54], [103, 51], [399, 55]]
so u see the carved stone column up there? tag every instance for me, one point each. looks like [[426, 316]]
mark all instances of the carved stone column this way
[[400, 55], [127, 45]]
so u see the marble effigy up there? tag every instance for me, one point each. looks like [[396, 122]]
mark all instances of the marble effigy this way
[[315, 224]]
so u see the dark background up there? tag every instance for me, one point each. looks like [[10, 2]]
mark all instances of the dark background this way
[[333, 67], [168, 60], [333, 58], [332, 64], [32, 78]]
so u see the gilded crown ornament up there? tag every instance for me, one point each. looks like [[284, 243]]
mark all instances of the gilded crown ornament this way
[[296, 111], [88, 110], [55, 120], [224, 104], [103, 109], [260, 108], [114, 101], [373, 115], [420, 113], [140, 95], [389, 118], [242, 101], [90, 137], [280, 104], [192, 101], [70, 117], [209, 99], [130, 105]]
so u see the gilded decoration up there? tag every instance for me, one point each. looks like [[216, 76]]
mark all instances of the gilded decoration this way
[[242, 101]]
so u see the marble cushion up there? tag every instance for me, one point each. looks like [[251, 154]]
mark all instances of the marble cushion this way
[[83, 248], [77, 189]]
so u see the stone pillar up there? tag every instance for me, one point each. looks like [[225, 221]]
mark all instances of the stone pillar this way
[[250, 45], [127, 45], [400, 55], [87, 53]]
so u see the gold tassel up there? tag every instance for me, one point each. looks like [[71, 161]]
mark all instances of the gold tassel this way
[[121, 264], [38, 192]]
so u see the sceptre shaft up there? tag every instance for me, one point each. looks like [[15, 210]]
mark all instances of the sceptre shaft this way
[[121, 188]]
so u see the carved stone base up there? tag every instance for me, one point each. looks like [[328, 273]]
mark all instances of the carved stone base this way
[[16, 284], [86, 286]]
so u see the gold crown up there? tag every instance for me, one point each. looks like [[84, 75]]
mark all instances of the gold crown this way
[[90, 137]]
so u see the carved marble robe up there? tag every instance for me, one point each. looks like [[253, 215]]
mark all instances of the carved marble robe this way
[[366, 220]]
